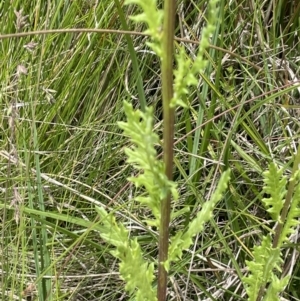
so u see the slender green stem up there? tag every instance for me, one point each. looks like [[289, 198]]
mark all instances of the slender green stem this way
[[288, 200], [167, 94]]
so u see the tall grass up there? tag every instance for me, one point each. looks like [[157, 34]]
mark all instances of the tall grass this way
[[62, 151]]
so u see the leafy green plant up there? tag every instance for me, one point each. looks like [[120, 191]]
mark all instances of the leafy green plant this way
[[283, 207], [71, 59], [155, 176]]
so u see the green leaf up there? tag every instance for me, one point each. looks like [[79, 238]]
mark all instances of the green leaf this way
[[137, 272], [182, 241], [275, 186], [143, 156], [261, 269]]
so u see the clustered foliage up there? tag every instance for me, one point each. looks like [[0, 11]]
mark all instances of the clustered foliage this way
[[143, 157], [185, 74], [58, 124], [138, 274], [139, 127], [153, 17], [152, 177], [265, 266]]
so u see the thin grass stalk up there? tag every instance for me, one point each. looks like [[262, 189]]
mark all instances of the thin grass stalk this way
[[120, 32], [135, 64], [168, 136], [200, 146], [43, 258]]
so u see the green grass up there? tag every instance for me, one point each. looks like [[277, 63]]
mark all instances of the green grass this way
[[62, 152]]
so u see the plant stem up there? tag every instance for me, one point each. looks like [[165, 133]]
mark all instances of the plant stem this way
[[168, 136], [284, 212], [288, 200]]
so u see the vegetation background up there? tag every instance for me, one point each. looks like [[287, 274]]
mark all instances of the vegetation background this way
[[62, 151]]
